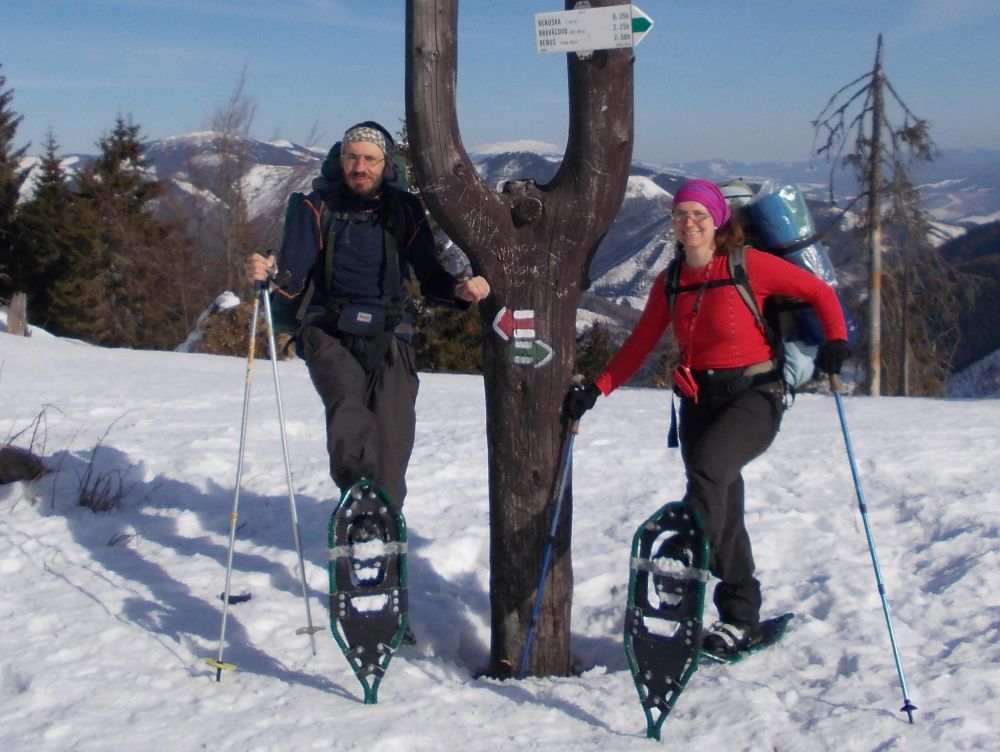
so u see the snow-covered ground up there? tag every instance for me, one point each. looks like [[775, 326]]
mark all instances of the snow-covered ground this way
[[107, 617]]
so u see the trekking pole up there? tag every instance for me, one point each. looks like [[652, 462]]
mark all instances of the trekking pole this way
[[309, 628], [218, 663], [908, 707], [567, 462]]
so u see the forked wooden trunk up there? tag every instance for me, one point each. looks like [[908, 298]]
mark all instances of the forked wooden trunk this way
[[534, 244]]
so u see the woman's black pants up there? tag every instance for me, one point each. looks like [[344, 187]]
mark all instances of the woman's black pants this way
[[718, 438]]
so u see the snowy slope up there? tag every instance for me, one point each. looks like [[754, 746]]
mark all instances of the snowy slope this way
[[107, 617]]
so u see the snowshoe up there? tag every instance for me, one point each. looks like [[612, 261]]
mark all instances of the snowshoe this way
[[368, 593], [666, 601]]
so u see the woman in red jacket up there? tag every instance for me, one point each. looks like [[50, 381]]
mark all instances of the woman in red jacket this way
[[729, 381]]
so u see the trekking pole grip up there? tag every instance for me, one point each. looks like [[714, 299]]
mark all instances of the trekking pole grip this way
[[261, 285]]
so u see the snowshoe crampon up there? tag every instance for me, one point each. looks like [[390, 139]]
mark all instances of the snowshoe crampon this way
[[668, 572], [368, 596]]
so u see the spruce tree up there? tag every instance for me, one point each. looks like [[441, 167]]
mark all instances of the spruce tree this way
[[594, 350], [12, 176], [118, 289], [46, 233], [448, 341]]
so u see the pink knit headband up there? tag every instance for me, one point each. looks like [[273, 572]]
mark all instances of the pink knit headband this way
[[706, 193]]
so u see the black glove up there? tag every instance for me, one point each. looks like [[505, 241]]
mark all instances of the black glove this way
[[580, 398], [831, 356]]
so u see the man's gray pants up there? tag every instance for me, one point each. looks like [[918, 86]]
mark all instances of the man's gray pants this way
[[370, 417]]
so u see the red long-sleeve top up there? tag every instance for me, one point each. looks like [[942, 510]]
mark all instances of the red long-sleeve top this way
[[721, 332]]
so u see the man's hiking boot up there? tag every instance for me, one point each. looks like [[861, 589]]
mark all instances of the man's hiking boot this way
[[728, 639]]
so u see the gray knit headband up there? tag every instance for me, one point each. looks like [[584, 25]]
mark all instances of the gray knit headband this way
[[366, 133]]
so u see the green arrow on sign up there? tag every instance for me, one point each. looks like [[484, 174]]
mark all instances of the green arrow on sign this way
[[641, 24], [531, 353]]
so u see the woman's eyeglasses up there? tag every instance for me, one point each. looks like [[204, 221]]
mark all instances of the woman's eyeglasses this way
[[681, 218]]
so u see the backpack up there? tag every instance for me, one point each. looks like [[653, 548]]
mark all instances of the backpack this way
[[779, 222]]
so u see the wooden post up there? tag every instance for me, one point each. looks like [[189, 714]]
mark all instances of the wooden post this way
[[17, 315], [534, 243]]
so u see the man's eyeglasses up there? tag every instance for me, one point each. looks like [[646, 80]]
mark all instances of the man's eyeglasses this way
[[369, 161], [681, 218]]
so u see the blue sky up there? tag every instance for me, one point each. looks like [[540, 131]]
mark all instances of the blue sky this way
[[734, 79]]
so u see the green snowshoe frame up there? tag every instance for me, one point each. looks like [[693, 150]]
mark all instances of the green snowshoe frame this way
[[368, 634], [662, 639]]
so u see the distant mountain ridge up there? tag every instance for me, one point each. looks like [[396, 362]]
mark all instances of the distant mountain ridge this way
[[961, 187], [960, 190]]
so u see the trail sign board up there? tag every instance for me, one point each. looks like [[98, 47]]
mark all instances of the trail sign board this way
[[588, 29]]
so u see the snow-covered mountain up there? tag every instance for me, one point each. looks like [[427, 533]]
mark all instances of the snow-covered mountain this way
[[194, 167], [961, 187], [639, 244], [960, 190]]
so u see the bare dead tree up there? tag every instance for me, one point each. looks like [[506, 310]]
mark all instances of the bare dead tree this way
[[534, 243], [219, 215], [854, 130], [231, 125]]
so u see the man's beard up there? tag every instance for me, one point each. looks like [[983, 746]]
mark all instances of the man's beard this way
[[364, 192]]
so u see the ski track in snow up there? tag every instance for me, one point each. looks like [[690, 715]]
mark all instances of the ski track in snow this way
[[108, 617]]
